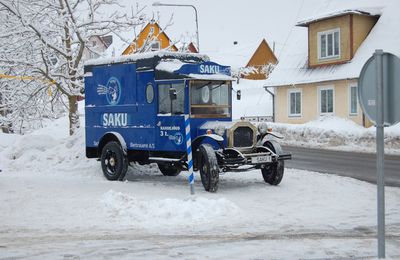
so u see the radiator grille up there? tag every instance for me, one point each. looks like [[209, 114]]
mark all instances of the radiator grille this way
[[243, 137]]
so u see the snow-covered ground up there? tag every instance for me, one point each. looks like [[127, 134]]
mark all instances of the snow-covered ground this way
[[55, 204]]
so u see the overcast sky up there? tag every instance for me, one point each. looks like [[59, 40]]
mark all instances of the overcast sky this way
[[221, 22]]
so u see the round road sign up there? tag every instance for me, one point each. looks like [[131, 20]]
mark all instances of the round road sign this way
[[367, 88]]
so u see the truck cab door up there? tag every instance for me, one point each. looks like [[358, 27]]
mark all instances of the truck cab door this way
[[172, 106]]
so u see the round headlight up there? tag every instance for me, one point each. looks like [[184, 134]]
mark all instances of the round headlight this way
[[263, 128], [219, 130]]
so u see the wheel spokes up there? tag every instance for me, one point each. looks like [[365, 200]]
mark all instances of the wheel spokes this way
[[111, 162]]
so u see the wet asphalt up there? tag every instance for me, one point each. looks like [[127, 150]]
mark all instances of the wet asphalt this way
[[361, 166]]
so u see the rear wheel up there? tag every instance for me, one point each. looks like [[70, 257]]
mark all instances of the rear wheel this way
[[113, 161], [273, 173], [169, 169], [209, 170]]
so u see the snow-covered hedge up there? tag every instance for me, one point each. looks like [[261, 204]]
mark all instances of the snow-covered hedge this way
[[337, 133]]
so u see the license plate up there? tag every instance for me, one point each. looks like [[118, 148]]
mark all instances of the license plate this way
[[261, 159]]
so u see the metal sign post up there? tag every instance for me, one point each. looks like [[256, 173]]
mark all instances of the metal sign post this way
[[380, 147], [379, 92]]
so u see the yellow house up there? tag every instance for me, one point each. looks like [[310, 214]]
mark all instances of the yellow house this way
[[151, 38], [318, 74]]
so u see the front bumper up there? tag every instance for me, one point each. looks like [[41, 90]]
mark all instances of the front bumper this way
[[231, 158]]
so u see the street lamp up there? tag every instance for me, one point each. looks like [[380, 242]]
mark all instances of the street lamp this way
[[195, 11]]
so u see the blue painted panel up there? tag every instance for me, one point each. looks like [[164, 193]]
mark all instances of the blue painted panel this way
[[112, 104], [170, 133]]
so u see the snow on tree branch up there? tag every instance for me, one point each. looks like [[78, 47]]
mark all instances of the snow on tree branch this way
[[47, 39]]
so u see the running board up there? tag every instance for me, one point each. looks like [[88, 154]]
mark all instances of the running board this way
[[163, 159]]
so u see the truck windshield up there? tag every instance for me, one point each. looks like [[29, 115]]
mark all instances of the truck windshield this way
[[210, 99]]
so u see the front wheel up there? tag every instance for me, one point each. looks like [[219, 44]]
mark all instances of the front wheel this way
[[113, 161], [209, 170], [273, 173]]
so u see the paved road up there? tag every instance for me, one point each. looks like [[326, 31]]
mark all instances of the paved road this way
[[361, 166]]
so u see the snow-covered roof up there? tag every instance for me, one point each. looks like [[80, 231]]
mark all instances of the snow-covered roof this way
[[293, 65], [369, 11], [145, 55]]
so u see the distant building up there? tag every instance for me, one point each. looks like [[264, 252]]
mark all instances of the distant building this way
[[261, 63], [249, 60], [96, 46], [151, 38], [188, 48], [318, 76]]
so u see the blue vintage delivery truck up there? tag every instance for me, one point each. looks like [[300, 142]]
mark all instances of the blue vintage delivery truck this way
[[135, 107]]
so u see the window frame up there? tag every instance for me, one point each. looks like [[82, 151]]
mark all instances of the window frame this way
[[326, 33], [148, 87], [155, 42], [353, 85], [289, 92], [204, 115], [171, 104], [320, 89]]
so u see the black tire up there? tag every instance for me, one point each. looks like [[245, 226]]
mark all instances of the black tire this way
[[114, 162], [209, 170], [168, 169], [273, 173]]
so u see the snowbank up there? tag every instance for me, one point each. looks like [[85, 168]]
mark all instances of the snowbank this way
[[337, 133], [127, 209], [49, 150]]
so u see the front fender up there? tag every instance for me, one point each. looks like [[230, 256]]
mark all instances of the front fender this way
[[199, 140], [274, 146], [267, 137]]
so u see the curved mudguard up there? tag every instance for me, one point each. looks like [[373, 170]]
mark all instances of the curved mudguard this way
[[119, 137], [277, 148], [199, 140]]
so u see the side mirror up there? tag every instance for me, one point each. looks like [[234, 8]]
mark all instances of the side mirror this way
[[238, 94], [172, 94]]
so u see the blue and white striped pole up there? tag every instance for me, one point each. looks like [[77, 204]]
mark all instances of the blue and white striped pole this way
[[189, 153]]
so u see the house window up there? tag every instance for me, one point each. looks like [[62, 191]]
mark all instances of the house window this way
[[294, 102], [329, 44], [326, 100], [353, 100], [155, 46]]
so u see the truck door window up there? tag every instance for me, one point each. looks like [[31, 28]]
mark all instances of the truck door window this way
[[168, 106]]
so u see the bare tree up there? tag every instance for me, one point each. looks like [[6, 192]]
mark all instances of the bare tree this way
[[46, 39]]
